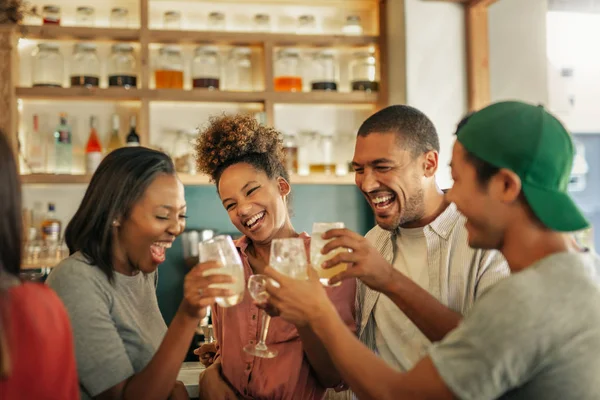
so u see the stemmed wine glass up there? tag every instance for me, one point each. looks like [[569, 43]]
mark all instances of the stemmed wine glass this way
[[257, 289], [222, 250]]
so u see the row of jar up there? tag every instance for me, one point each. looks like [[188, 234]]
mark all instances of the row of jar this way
[[207, 68], [119, 17]]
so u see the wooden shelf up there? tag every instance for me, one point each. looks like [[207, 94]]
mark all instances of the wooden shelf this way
[[79, 33], [195, 95], [256, 39], [78, 93], [188, 180], [39, 265]]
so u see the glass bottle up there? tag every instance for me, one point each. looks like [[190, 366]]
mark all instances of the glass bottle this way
[[262, 23], [93, 148], [169, 72], [122, 66], [325, 69], [51, 15], [239, 67], [306, 24], [51, 226], [206, 68], [290, 147], [115, 141], [119, 17], [63, 147], [353, 26], [288, 74], [323, 164], [133, 139], [48, 65], [363, 72], [216, 21], [172, 20], [85, 66], [36, 151], [85, 16]]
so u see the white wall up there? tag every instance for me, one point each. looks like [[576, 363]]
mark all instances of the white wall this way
[[517, 32], [436, 70]]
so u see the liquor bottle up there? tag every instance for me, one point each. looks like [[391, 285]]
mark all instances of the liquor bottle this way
[[36, 151], [133, 139], [51, 226], [93, 149], [114, 141], [63, 147]]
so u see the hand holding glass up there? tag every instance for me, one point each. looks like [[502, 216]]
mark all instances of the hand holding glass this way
[[222, 250], [317, 258], [256, 288]]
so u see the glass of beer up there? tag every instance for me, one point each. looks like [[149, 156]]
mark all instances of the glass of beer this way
[[317, 259], [222, 250]]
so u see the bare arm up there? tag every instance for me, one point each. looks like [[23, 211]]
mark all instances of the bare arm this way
[[319, 358], [432, 318]]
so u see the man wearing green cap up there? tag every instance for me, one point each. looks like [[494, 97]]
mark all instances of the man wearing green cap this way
[[534, 335]]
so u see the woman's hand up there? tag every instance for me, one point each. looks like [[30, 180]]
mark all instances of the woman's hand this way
[[212, 385], [179, 392], [197, 293], [207, 353]]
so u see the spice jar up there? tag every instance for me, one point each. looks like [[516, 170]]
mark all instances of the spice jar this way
[[85, 16], [172, 20], [288, 73], [306, 24], [51, 15], [119, 17], [353, 25], [325, 70], [122, 69], [216, 21], [239, 70], [262, 23], [290, 147], [85, 65], [363, 72], [48, 65], [169, 72], [206, 68]]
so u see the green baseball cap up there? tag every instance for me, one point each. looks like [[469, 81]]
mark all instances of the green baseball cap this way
[[532, 143]]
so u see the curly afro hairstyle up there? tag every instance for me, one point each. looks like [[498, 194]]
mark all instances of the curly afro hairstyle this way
[[233, 139]]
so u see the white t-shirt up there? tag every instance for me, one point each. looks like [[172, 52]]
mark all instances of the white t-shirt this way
[[393, 327]]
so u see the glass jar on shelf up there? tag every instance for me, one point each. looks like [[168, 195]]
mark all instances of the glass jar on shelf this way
[[323, 163], [262, 23], [288, 71], [85, 65], [172, 20], [119, 17], [169, 71], [363, 72], [51, 15], [206, 68], [216, 21], [48, 65], [353, 25], [306, 25], [85, 16], [290, 147], [239, 70], [122, 68], [325, 71]]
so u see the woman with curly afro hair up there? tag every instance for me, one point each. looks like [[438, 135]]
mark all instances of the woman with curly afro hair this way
[[245, 160]]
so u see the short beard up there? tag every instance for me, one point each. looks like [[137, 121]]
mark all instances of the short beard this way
[[413, 211]]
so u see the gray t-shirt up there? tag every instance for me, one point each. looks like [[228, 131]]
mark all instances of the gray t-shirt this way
[[117, 327], [534, 335]]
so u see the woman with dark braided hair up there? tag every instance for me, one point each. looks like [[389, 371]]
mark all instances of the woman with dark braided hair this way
[[245, 160]]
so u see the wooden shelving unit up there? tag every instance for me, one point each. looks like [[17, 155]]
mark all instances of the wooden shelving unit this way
[[188, 180], [144, 37]]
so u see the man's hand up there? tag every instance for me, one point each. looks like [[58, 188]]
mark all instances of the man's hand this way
[[207, 353], [212, 385], [364, 261], [299, 302]]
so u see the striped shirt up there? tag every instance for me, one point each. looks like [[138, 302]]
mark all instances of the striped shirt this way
[[458, 275]]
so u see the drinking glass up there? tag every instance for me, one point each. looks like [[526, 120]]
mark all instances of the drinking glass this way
[[222, 250], [257, 289], [317, 259], [288, 257]]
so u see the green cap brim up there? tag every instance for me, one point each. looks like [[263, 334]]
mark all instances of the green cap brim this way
[[555, 209]]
